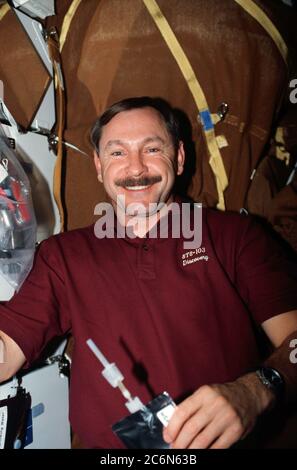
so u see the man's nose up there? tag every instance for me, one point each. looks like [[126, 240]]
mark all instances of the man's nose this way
[[136, 164]]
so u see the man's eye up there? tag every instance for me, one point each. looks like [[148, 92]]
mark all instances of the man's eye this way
[[153, 150], [117, 153]]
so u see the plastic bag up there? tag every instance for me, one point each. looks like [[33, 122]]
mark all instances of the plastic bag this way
[[17, 219], [143, 429]]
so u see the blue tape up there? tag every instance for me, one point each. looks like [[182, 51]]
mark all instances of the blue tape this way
[[206, 120]]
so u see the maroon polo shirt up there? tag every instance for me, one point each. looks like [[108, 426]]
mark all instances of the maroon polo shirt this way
[[167, 324]]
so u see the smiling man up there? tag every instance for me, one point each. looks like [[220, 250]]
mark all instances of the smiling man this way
[[140, 165], [189, 328]]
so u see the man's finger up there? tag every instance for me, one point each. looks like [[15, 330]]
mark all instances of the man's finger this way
[[219, 424], [181, 415], [191, 428], [227, 439], [206, 437]]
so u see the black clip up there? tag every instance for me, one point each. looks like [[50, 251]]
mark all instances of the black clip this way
[[52, 142], [222, 110]]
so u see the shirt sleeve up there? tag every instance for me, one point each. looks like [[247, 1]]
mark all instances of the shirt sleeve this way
[[38, 312], [266, 276]]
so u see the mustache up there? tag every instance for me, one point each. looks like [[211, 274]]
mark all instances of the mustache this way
[[142, 181]]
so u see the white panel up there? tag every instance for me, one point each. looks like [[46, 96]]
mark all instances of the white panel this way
[[45, 117], [39, 8]]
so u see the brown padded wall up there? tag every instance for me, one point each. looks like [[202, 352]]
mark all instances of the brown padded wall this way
[[22, 72]]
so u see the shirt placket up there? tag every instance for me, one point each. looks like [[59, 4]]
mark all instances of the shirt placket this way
[[146, 261]]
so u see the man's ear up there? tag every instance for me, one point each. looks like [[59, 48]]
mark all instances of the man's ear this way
[[98, 166], [180, 158]]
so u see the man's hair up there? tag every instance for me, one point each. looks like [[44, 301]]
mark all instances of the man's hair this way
[[164, 109]]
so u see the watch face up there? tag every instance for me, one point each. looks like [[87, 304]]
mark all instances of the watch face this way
[[273, 380], [272, 376]]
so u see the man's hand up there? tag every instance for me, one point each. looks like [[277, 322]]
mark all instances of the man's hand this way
[[217, 416]]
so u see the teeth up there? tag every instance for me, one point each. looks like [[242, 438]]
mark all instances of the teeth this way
[[136, 188]]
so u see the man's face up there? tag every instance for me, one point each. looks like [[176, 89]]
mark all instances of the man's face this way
[[137, 160]]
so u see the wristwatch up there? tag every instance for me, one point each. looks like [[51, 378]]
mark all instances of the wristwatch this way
[[272, 379]]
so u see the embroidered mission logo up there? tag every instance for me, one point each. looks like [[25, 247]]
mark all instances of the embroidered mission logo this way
[[193, 256]]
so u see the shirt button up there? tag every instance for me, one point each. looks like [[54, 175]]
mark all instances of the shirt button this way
[[145, 247]]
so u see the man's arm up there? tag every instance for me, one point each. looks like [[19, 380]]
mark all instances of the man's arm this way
[[283, 358], [37, 313], [280, 327], [11, 357], [217, 416]]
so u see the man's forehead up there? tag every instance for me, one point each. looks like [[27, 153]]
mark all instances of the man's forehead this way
[[147, 113], [146, 140], [145, 123]]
